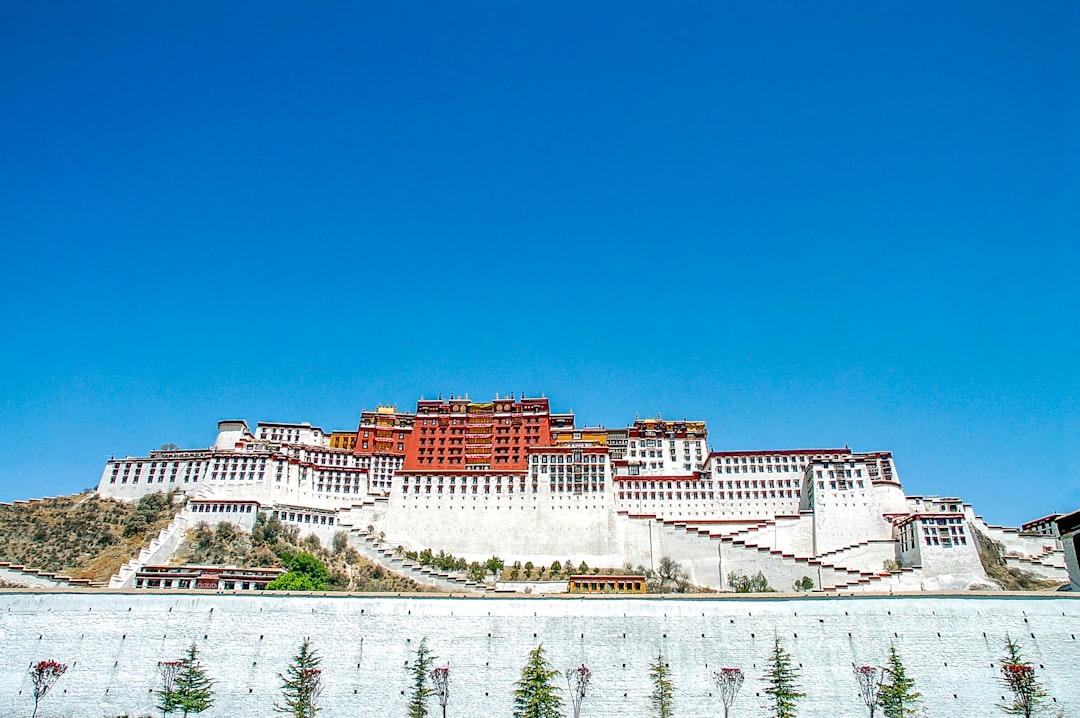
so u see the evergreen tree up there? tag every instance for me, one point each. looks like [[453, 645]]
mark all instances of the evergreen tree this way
[[897, 696], [535, 695], [782, 679], [192, 689], [301, 684], [419, 670], [1018, 676], [661, 698]]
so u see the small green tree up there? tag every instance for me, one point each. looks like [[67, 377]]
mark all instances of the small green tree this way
[[494, 566], [782, 679], [301, 684], [1018, 676], [897, 696], [306, 573], [420, 671], [309, 565], [293, 582], [670, 575], [535, 695], [804, 584], [661, 699], [193, 689], [477, 572], [556, 567]]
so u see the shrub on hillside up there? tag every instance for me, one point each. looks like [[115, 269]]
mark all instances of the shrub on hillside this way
[[274, 544], [83, 536], [749, 584]]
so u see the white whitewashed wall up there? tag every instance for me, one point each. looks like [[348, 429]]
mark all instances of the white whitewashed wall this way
[[113, 642]]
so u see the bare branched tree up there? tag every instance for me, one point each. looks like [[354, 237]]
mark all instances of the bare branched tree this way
[[670, 575], [577, 680], [44, 675], [167, 701], [440, 682], [728, 682], [869, 680], [1018, 675]]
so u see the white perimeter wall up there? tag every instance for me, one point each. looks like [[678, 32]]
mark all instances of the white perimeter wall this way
[[526, 527], [113, 642]]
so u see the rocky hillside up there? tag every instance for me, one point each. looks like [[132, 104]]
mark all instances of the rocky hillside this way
[[991, 553], [81, 536], [272, 544]]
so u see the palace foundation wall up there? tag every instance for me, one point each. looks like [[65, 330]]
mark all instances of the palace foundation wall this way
[[112, 641]]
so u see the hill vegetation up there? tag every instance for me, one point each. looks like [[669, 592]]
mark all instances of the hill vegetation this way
[[81, 536], [992, 555], [273, 544]]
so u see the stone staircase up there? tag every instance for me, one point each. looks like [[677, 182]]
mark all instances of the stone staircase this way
[[158, 551], [1034, 553], [1049, 564], [750, 546], [369, 546], [27, 577], [834, 576]]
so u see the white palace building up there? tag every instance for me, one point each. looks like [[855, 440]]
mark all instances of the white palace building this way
[[511, 478]]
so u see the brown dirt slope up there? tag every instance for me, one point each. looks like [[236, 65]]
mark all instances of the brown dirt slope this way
[[992, 553], [81, 536]]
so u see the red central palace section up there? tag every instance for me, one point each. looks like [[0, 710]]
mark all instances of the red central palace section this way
[[460, 435]]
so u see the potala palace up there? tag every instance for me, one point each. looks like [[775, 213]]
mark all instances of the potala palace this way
[[509, 477]]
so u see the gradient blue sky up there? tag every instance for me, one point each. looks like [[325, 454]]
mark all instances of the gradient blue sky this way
[[811, 224]]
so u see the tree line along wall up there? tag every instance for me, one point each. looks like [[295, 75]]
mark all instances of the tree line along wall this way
[[113, 641]]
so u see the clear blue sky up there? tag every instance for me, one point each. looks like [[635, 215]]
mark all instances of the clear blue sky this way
[[809, 224]]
